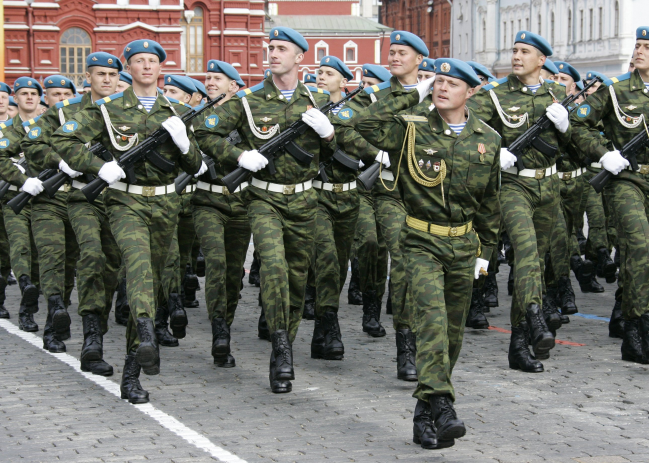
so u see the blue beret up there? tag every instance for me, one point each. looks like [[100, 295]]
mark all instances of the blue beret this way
[[200, 87], [289, 35], [267, 73], [101, 58], [12, 102], [427, 64], [550, 66], [580, 84], [377, 72], [566, 68], [338, 65], [144, 46], [481, 69], [58, 81], [27, 82], [538, 42], [125, 77], [590, 75], [457, 68], [642, 33], [310, 79], [182, 82], [5, 88], [222, 67], [86, 84], [410, 39]]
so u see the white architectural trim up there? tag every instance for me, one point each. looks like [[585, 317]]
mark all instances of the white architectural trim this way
[[350, 44], [16, 27], [104, 6], [137, 24], [34, 5], [320, 44], [45, 28]]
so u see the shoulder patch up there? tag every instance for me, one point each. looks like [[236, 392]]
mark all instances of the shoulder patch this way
[[34, 133], [4, 143], [317, 90], [495, 83], [113, 97], [490, 128], [345, 113], [31, 121], [583, 111], [615, 80], [6, 124], [377, 87], [70, 126], [412, 118], [248, 91], [211, 121], [63, 103]]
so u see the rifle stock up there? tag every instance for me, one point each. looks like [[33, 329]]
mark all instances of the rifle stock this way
[[4, 187], [369, 176], [628, 152]]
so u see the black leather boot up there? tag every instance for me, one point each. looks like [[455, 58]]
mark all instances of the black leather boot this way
[[510, 281], [177, 316], [584, 271], [130, 387], [333, 348], [388, 304], [122, 308], [520, 357], [550, 312], [93, 340], [317, 341], [190, 285], [448, 426], [372, 315], [60, 316], [309, 303], [354, 295], [283, 355], [644, 336], [11, 279], [423, 428], [593, 287], [254, 278], [632, 342], [148, 353], [97, 367], [406, 352], [50, 341], [616, 323], [616, 258], [277, 386], [29, 294], [541, 338], [262, 326], [565, 297], [26, 321], [200, 264], [162, 334], [221, 344], [476, 319], [490, 290], [4, 313], [606, 268]]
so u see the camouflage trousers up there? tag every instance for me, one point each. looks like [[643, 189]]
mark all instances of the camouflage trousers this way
[[171, 275], [601, 229], [439, 275], [630, 208], [5, 260], [334, 234], [143, 228], [224, 238], [529, 209], [563, 242], [99, 260], [22, 249], [186, 234], [56, 243], [283, 231]]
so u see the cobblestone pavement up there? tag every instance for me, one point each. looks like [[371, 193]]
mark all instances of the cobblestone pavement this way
[[588, 406]]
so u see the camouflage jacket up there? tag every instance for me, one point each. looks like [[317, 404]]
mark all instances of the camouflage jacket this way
[[618, 115], [472, 161], [131, 124], [11, 136]]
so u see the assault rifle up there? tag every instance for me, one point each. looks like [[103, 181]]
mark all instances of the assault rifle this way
[[146, 150], [4, 185], [628, 152], [18, 202], [284, 141]]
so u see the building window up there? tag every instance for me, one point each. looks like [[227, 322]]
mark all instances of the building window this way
[[273, 9], [265, 53], [74, 48], [600, 32], [569, 26], [192, 22], [539, 24], [590, 24], [356, 9], [581, 25], [484, 35], [519, 24], [527, 24], [504, 35], [351, 52], [321, 50], [552, 29], [617, 19], [512, 32]]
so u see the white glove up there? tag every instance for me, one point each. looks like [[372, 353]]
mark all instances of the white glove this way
[[252, 160], [424, 87], [111, 172], [63, 166], [202, 170], [383, 158], [479, 265], [361, 164], [178, 133], [614, 162], [20, 168], [559, 117], [318, 122], [33, 186], [507, 159]]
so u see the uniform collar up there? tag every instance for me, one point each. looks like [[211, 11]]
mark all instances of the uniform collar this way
[[271, 92], [636, 84], [130, 100], [515, 85], [86, 100], [438, 125]]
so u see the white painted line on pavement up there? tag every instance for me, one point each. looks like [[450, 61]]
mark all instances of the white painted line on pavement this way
[[167, 421]]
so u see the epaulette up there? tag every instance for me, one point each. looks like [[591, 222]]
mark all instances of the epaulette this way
[[413, 118], [6, 124], [76, 100], [377, 87], [317, 90], [31, 121], [615, 80], [492, 129], [248, 91], [112, 97], [174, 101], [495, 84], [555, 82]]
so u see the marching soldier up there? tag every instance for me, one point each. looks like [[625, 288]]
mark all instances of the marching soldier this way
[[125, 81], [200, 94], [142, 214], [5, 261], [446, 166], [426, 69]]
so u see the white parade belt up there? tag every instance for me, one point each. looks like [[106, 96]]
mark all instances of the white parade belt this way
[[219, 189], [533, 173], [572, 174], [146, 191], [334, 187], [284, 189]]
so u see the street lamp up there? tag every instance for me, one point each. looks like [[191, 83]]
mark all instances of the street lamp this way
[[30, 35]]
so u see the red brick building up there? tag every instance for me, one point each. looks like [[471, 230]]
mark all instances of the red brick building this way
[[429, 19]]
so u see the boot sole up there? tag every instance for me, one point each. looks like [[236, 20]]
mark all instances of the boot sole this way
[[28, 330], [569, 311], [147, 357], [55, 351], [455, 431], [91, 355], [515, 366], [479, 327], [178, 333], [135, 401], [491, 304], [544, 345], [282, 390], [408, 378], [631, 358], [284, 376], [440, 445], [220, 351], [168, 344], [30, 299], [61, 322], [106, 373], [375, 334]]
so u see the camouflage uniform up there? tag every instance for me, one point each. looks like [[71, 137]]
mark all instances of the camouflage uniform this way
[[439, 266]]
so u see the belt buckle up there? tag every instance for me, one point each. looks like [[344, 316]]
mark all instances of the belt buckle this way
[[540, 173], [452, 231], [644, 169], [338, 187], [66, 188], [225, 191], [148, 191], [567, 175], [288, 189]]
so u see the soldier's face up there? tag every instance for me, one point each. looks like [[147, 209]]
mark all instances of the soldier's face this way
[[403, 60], [548, 75], [121, 86], [12, 111], [593, 89], [641, 55], [331, 80], [369, 81], [284, 56], [144, 68], [423, 75], [55, 95], [569, 82], [4, 104], [196, 99], [450, 93], [217, 83], [171, 91], [27, 99], [526, 59], [103, 81]]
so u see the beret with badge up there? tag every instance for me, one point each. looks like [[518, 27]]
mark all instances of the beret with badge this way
[[535, 40], [338, 65], [27, 82], [565, 68], [184, 83], [409, 39], [427, 64], [457, 68], [288, 35], [310, 79], [144, 46], [481, 69], [550, 66], [214, 65], [5, 88], [376, 72], [58, 81], [103, 59]]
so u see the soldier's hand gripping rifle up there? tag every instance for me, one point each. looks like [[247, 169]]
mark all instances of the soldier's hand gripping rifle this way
[[146, 150], [283, 141], [4, 185], [18, 202], [628, 152]]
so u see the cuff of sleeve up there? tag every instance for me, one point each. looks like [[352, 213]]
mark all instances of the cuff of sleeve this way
[[600, 151], [95, 165]]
